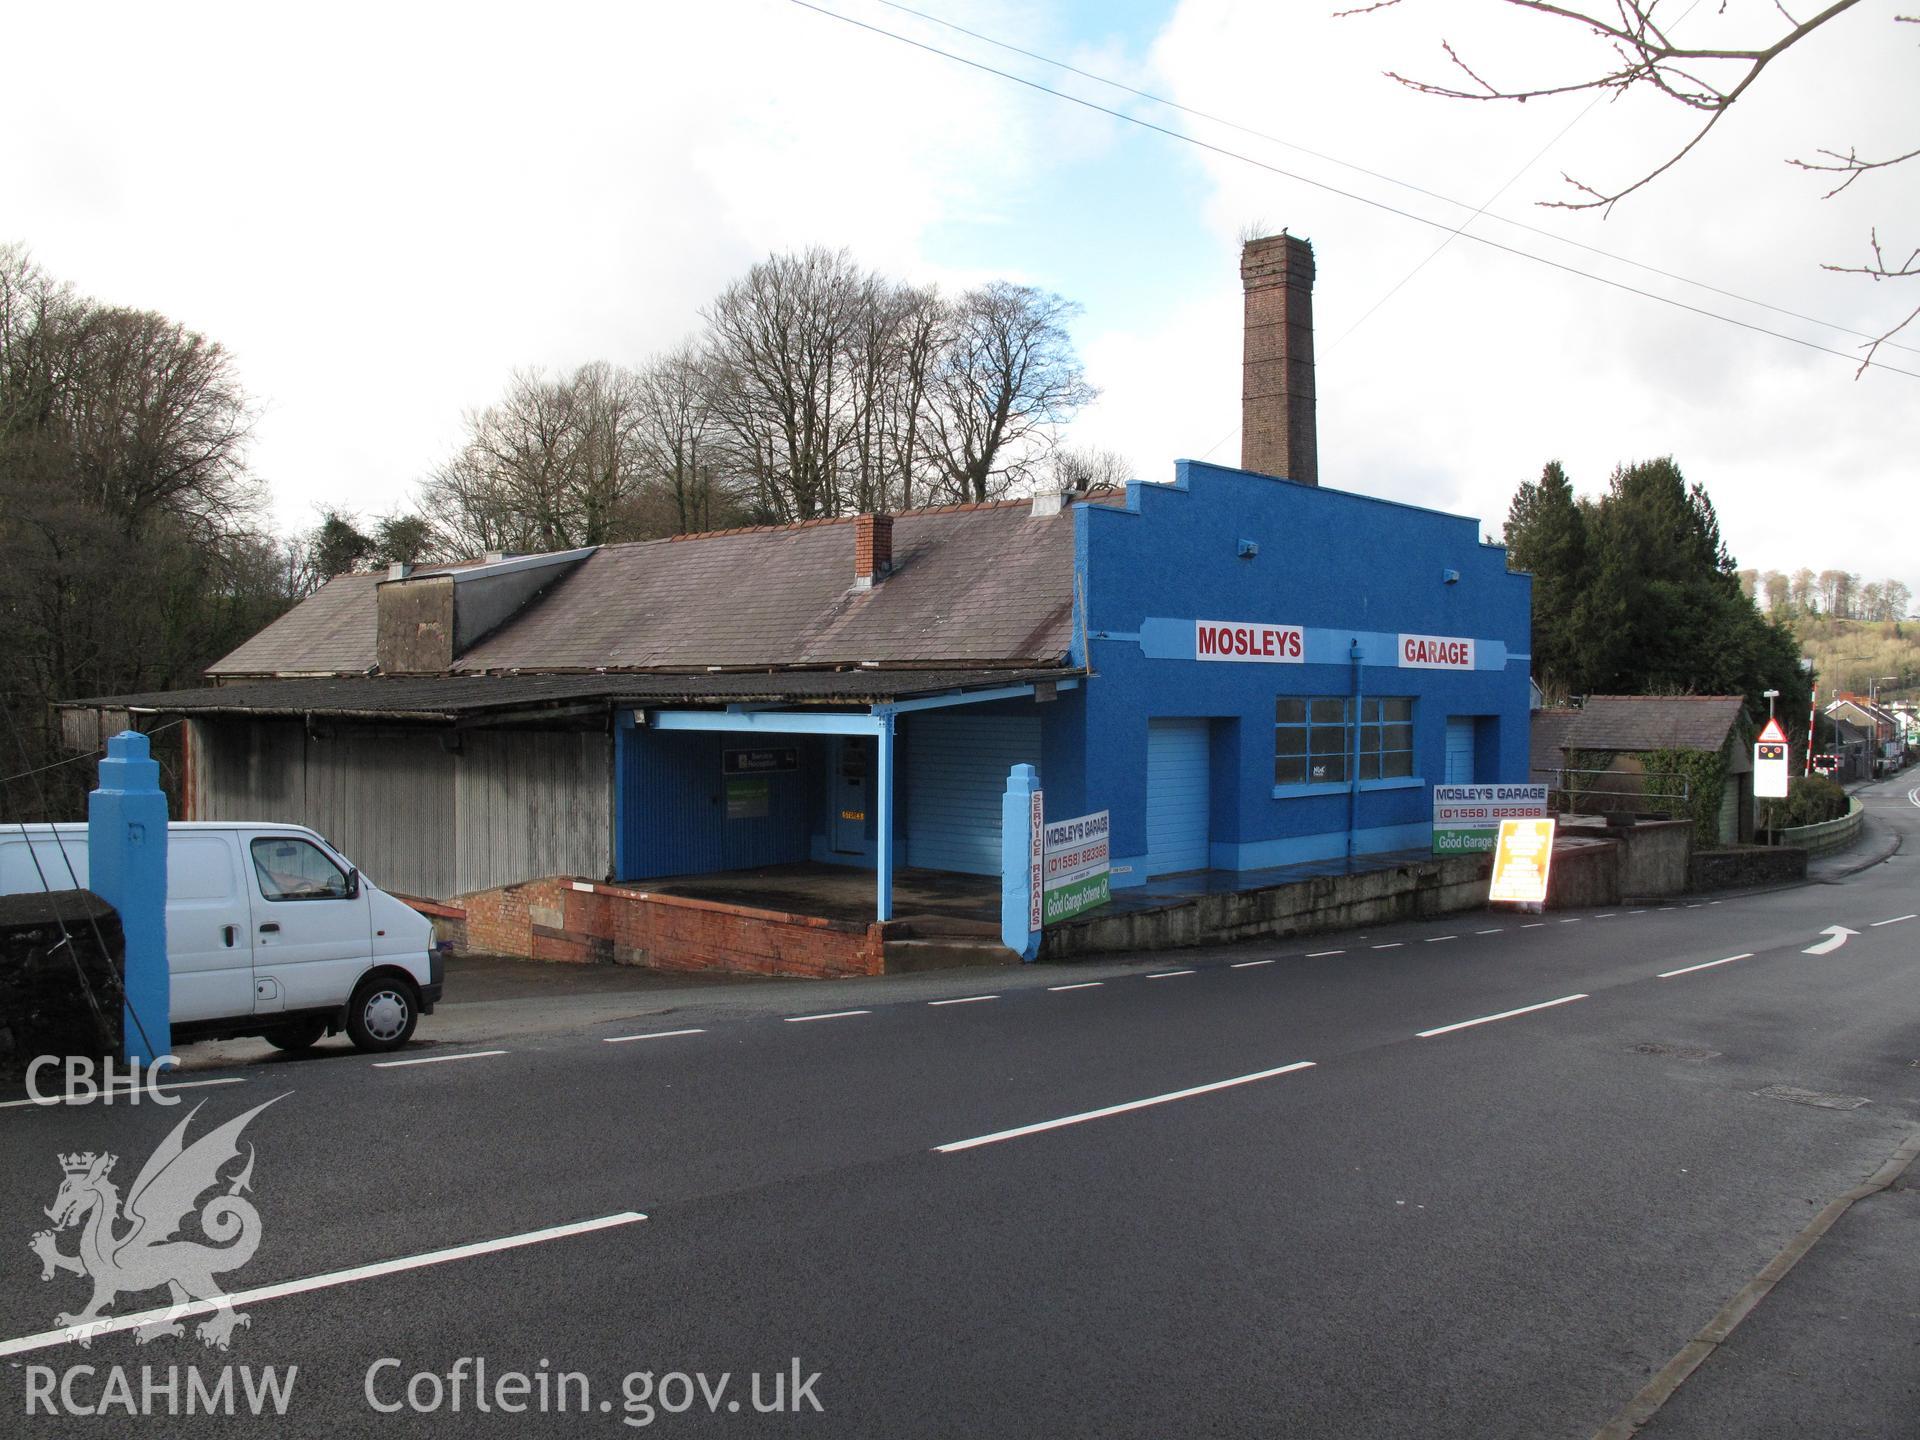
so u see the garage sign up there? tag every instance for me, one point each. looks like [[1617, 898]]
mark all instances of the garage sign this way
[[1435, 652], [1249, 640], [1466, 818], [1075, 876]]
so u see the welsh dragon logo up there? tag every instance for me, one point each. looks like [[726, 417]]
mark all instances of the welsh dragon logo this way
[[126, 1250]]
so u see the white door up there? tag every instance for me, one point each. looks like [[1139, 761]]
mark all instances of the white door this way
[[311, 936], [208, 948]]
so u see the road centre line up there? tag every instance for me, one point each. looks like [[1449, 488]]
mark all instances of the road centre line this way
[[1077, 985], [435, 1059], [1636, 912], [1533, 925], [1495, 931], [1571, 920], [1503, 1015], [1322, 954], [1390, 945], [964, 1000], [1608, 916], [111, 1324], [1168, 974], [1707, 965], [1895, 921], [957, 1145], [1248, 964], [649, 1035], [114, 1090], [829, 1015], [1436, 939]]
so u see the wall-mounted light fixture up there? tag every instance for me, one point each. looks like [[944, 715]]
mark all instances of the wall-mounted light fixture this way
[[1450, 577]]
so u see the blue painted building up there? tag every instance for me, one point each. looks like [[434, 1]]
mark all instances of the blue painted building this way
[[1245, 671]]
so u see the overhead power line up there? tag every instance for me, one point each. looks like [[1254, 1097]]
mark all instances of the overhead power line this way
[[1331, 189], [1407, 185]]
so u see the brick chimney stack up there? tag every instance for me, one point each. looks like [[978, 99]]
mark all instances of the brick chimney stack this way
[[1276, 395], [872, 550]]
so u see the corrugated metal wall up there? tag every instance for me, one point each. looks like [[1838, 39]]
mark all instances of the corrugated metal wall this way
[[509, 805], [956, 773], [674, 806]]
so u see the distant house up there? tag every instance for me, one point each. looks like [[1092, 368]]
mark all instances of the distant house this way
[[1595, 756], [1889, 748]]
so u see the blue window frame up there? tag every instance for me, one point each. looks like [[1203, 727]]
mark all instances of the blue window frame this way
[[1314, 740]]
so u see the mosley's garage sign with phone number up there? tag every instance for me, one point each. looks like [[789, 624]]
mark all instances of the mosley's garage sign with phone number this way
[[1466, 818]]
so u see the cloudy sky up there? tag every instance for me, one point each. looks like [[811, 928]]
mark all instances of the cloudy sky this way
[[382, 210]]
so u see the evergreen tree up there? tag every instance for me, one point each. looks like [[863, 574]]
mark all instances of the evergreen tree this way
[[1546, 535]]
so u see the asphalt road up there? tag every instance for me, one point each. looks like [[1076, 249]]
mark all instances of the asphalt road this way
[[1346, 1212]]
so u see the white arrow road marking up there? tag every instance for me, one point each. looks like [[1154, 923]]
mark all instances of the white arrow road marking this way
[[1836, 937]]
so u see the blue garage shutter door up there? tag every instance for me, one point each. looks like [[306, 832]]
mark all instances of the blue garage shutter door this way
[[1177, 796], [1459, 750], [956, 773]]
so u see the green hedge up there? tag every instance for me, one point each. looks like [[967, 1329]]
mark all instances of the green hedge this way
[[1811, 800]]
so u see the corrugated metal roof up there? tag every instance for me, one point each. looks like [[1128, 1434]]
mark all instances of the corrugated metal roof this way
[[988, 584], [470, 696]]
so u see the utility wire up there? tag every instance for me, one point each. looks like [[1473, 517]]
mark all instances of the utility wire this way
[[1358, 169], [1285, 173]]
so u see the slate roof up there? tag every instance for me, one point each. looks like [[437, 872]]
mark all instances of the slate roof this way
[[331, 632], [971, 585], [453, 697], [1639, 722]]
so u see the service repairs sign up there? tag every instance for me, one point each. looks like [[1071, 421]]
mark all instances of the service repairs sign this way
[[1435, 652], [1466, 818], [1249, 640], [1076, 877]]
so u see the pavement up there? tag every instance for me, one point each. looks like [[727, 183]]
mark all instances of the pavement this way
[[1485, 1175]]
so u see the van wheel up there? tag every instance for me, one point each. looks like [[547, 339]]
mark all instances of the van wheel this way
[[382, 1013], [301, 1036]]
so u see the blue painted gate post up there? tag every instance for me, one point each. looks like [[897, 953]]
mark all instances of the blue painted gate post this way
[[127, 867], [1019, 848]]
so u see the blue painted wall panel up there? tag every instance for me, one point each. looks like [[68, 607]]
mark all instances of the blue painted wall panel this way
[[673, 806], [1348, 569], [956, 775]]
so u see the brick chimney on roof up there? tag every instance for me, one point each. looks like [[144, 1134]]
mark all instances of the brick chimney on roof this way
[[1276, 393], [872, 549]]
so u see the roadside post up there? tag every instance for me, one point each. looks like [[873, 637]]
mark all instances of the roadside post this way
[[1770, 764], [1021, 856], [127, 867]]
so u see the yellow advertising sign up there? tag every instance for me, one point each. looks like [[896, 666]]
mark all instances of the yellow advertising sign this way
[[1521, 861]]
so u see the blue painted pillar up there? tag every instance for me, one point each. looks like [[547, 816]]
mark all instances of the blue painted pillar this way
[[1021, 810], [883, 818], [127, 867]]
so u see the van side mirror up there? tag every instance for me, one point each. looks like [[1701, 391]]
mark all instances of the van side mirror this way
[[353, 884]]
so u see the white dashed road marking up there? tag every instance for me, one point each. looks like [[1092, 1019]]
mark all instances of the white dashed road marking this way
[[1708, 965], [435, 1059], [1078, 985], [1895, 921], [1248, 964], [829, 1015], [1503, 1015], [964, 1000], [1107, 1110], [650, 1035], [1168, 974]]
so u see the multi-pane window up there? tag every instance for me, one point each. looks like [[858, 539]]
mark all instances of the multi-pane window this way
[[1314, 741]]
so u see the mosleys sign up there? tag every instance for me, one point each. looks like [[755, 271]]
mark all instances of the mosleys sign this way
[[1435, 652], [1255, 640]]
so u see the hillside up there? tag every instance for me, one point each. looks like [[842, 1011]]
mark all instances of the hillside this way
[[1855, 654]]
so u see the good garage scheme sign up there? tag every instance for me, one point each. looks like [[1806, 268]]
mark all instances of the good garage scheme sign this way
[[1249, 640]]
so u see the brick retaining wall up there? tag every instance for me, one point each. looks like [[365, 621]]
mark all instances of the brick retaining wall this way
[[560, 918]]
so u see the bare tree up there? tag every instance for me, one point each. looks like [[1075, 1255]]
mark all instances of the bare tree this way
[[1071, 467], [677, 428], [1005, 380], [1640, 53], [549, 467], [778, 340]]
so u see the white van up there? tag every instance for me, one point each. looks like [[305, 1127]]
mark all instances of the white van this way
[[270, 932]]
